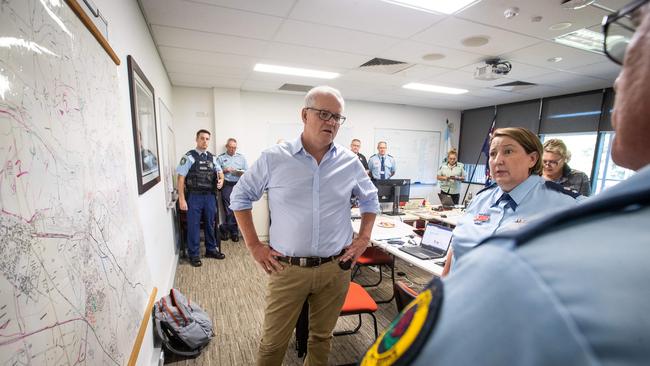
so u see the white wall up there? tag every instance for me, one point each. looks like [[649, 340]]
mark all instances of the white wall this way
[[129, 35], [193, 110], [250, 116]]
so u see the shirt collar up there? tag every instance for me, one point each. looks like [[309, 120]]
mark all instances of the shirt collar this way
[[201, 151], [295, 146], [520, 191]]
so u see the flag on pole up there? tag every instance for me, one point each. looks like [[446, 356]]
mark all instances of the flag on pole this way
[[448, 144], [486, 150]]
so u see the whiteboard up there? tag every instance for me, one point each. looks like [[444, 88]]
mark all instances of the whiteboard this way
[[416, 152]]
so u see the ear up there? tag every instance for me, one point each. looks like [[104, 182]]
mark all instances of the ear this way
[[304, 115], [534, 156]]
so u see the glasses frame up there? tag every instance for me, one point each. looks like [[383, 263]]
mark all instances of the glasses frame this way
[[337, 118], [552, 163], [611, 18]]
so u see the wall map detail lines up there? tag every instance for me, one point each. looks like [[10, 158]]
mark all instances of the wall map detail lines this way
[[73, 277]]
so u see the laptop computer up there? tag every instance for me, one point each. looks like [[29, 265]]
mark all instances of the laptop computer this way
[[434, 244], [446, 200]]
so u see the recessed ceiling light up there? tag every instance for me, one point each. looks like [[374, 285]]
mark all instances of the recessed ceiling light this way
[[445, 7], [560, 26], [554, 59], [434, 88], [583, 39], [285, 70], [476, 41], [433, 57]]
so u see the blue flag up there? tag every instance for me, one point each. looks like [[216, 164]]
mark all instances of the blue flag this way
[[486, 150]]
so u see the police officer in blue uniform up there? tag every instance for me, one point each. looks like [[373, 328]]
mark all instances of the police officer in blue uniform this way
[[233, 165], [519, 195], [381, 165], [569, 289], [199, 176]]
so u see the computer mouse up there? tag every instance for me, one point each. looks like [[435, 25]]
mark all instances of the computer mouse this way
[[396, 242], [443, 216]]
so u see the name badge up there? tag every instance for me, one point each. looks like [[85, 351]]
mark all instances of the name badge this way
[[481, 218]]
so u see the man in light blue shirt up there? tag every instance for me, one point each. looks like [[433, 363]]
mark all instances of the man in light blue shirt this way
[[309, 182], [233, 165], [382, 165]]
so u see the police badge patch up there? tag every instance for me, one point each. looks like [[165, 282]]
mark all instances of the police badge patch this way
[[407, 334], [183, 160]]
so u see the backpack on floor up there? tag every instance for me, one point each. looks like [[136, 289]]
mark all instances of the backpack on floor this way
[[183, 327]]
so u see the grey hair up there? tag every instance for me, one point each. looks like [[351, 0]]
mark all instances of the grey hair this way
[[231, 139], [310, 98]]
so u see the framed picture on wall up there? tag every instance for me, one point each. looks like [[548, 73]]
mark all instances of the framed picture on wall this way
[[145, 138]]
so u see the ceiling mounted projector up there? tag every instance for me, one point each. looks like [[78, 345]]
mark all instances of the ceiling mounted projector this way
[[492, 69]]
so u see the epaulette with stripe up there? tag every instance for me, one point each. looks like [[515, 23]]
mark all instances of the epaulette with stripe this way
[[486, 188], [560, 188]]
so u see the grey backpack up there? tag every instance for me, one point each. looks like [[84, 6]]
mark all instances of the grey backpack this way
[[183, 327]]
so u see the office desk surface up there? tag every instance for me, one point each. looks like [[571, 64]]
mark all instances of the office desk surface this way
[[401, 230], [451, 216]]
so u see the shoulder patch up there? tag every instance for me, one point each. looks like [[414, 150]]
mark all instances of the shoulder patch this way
[[559, 188], [493, 185], [183, 160], [405, 337]]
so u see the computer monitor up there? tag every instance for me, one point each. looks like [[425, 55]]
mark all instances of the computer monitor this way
[[395, 191]]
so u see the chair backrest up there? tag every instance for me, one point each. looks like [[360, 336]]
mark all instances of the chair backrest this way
[[403, 295]]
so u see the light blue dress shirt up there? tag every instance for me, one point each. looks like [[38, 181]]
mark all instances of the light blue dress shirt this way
[[484, 217], [188, 160], [374, 165], [309, 203], [237, 161], [575, 294]]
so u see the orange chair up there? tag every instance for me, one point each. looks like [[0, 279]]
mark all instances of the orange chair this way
[[403, 295], [373, 256], [358, 302]]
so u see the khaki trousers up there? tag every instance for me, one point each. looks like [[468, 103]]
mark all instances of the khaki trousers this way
[[325, 287]]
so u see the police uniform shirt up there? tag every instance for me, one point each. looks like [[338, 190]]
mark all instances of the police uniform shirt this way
[[484, 216], [188, 160], [451, 186], [374, 165], [237, 161], [570, 290]]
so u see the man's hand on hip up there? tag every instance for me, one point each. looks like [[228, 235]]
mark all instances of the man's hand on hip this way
[[264, 255], [354, 251]]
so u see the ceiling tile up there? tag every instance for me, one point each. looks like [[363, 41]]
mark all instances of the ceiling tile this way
[[539, 54], [208, 18], [490, 12], [207, 70], [387, 19], [182, 79], [314, 56], [279, 8], [332, 38], [605, 70], [451, 31], [410, 51], [166, 36]]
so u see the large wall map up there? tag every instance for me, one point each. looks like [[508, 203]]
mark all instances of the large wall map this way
[[73, 280]]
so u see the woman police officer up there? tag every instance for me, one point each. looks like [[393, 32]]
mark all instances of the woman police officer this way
[[518, 195]]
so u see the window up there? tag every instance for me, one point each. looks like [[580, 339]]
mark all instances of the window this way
[[478, 176], [608, 174], [582, 146]]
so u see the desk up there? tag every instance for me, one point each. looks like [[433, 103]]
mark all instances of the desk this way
[[401, 230]]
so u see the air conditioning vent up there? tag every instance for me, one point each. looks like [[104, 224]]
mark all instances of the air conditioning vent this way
[[515, 85], [384, 66], [296, 88]]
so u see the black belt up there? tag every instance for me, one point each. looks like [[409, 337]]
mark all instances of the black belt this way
[[308, 261]]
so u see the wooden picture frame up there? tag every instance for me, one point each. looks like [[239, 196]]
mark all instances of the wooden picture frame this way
[[145, 136]]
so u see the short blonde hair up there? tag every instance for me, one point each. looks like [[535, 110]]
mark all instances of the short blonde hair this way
[[528, 140], [558, 146], [452, 152]]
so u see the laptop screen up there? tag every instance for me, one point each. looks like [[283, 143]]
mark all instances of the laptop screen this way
[[436, 237]]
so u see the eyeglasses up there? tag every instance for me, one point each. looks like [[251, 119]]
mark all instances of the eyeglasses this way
[[551, 162], [618, 29], [327, 115]]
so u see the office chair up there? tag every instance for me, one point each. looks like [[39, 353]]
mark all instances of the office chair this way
[[374, 256], [358, 302], [403, 295]]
